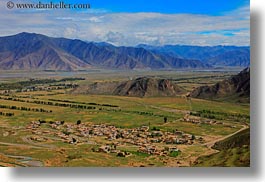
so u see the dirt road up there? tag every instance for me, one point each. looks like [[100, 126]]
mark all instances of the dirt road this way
[[211, 143]]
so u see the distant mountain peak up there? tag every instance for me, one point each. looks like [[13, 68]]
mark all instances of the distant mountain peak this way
[[219, 55], [31, 51]]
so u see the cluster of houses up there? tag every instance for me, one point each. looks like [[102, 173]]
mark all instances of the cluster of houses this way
[[113, 149], [148, 141], [154, 150], [38, 139], [199, 120]]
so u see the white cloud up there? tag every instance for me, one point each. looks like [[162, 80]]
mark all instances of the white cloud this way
[[231, 28]]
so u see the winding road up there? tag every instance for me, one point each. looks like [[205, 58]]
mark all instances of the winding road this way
[[211, 143]]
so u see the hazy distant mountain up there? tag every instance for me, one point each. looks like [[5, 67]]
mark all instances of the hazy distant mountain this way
[[140, 87], [235, 87], [232, 58], [28, 51], [107, 56], [214, 55]]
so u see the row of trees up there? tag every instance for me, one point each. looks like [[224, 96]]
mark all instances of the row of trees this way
[[219, 115], [29, 83], [6, 114], [86, 103], [77, 106], [24, 108]]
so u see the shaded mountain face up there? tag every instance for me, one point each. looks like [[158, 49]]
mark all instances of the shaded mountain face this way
[[107, 56], [140, 87], [28, 51], [148, 87], [35, 52], [213, 55], [235, 87]]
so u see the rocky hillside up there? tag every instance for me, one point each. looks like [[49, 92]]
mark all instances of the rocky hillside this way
[[148, 87], [235, 87], [140, 87]]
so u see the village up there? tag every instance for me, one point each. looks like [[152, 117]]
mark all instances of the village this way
[[109, 138], [198, 120]]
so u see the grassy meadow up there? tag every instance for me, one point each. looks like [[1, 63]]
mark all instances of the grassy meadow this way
[[122, 112]]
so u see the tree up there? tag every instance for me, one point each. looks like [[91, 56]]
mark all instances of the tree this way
[[78, 122], [90, 132], [165, 119], [74, 140], [193, 137]]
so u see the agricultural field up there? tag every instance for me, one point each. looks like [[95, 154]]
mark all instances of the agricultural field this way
[[42, 123]]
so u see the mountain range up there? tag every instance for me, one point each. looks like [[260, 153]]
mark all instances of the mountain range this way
[[212, 55], [30, 51]]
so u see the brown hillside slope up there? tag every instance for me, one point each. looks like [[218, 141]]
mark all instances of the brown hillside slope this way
[[140, 87], [235, 87], [148, 87]]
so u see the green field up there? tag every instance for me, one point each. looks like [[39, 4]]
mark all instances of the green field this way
[[124, 113], [234, 151]]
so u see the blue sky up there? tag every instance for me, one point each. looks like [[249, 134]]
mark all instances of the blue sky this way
[[132, 22], [209, 7]]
